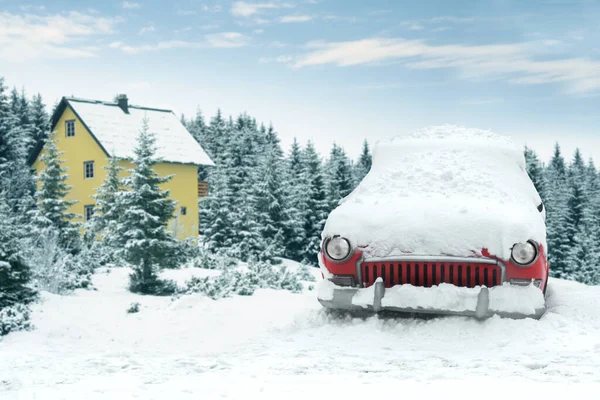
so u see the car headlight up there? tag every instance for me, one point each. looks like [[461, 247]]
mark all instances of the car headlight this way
[[524, 254], [337, 248]]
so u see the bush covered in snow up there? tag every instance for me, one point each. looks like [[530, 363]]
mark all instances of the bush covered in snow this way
[[15, 318], [259, 275], [57, 270], [133, 308]]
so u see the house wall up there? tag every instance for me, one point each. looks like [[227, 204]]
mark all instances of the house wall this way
[[83, 147]]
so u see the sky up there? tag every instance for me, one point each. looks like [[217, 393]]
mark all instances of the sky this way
[[325, 70]]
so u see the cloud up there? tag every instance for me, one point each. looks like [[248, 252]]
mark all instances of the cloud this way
[[226, 39], [216, 40], [295, 18], [209, 27], [146, 29], [245, 9], [515, 63], [29, 36], [340, 18], [280, 59], [214, 9], [130, 5]]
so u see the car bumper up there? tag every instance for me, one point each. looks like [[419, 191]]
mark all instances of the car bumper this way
[[480, 302]]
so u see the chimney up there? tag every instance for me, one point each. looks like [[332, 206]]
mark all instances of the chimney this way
[[123, 103]]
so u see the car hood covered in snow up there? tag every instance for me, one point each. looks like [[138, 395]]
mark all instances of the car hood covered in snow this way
[[444, 190]]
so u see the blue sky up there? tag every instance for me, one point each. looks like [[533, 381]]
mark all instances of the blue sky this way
[[326, 70]]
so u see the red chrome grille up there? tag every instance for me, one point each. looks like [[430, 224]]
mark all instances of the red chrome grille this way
[[427, 274]]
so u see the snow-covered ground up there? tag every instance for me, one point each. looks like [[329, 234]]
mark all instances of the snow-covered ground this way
[[280, 345]]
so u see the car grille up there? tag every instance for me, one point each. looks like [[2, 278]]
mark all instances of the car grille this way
[[427, 274]]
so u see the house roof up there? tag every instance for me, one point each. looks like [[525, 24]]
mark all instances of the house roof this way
[[116, 131]]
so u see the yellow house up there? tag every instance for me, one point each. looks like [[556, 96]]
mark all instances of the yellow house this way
[[88, 132]]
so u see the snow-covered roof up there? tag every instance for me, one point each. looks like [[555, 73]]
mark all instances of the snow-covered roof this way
[[444, 190], [117, 131]]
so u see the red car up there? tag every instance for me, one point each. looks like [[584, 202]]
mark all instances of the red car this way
[[446, 222]]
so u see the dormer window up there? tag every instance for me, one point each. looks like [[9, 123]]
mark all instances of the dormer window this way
[[88, 169], [70, 126]]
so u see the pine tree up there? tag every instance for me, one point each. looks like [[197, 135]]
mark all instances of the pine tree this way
[[270, 206], [40, 121], [535, 171], [558, 230], [297, 207], [53, 209], [315, 202], [145, 210], [105, 211], [339, 176], [217, 136], [216, 211], [15, 273], [243, 152], [362, 168]]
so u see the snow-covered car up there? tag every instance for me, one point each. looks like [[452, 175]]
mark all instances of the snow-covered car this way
[[446, 222]]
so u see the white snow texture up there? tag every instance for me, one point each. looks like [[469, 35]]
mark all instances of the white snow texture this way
[[444, 190], [280, 345]]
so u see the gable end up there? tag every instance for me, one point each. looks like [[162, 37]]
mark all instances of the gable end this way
[[60, 109]]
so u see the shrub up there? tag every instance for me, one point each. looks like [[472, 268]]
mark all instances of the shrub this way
[[260, 275], [133, 308], [206, 259], [151, 285], [54, 269], [14, 318], [305, 274]]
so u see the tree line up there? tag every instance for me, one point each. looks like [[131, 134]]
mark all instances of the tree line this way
[[263, 202]]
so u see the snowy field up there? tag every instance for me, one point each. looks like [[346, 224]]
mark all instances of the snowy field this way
[[280, 345]]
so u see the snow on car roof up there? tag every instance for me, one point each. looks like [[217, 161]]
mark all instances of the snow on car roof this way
[[443, 190], [117, 131]]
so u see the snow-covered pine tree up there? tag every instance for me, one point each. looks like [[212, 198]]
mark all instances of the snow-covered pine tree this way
[[15, 273], [273, 142], [315, 203], [270, 197], [535, 170], [217, 136], [53, 208], [296, 203], [558, 231], [105, 211], [243, 151], [340, 180], [145, 210], [197, 126], [40, 121], [217, 212], [16, 177], [362, 168]]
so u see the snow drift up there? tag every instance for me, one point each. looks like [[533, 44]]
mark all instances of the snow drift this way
[[444, 190]]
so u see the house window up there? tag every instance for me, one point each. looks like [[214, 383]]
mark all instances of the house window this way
[[183, 210], [88, 212], [70, 126], [88, 169]]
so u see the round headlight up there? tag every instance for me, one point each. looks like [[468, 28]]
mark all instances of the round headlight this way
[[524, 253], [337, 248]]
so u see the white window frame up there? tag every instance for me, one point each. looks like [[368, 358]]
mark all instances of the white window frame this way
[[85, 170], [88, 212], [70, 132]]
